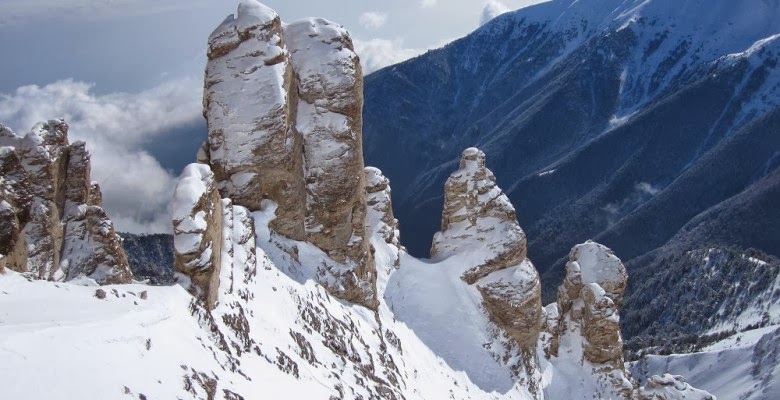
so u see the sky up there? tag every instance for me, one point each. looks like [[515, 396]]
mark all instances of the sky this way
[[127, 76]]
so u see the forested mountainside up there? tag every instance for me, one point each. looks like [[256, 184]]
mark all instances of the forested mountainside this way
[[629, 122]]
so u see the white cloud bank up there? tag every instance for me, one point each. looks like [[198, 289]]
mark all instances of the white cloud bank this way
[[427, 3], [136, 189], [378, 53], [372, 19], [492, 9], [17, 11]]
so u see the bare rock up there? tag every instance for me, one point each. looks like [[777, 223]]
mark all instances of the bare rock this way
[[43, 235], [513, 297], [77, 181], [12, 240], [95, 195], [330, 103], [92, 248], [478, 220], [601, 327], [586, 317], [380, 205], [284, 111], [254, 148], [480, 228], [197, 230], [52, 223]]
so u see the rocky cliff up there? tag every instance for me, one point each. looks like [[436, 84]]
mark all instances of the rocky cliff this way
[[284, 110], [297, 283], [53, 226]]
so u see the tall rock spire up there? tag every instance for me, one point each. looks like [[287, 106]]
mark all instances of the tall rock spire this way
[[284, 110], [480, 228]]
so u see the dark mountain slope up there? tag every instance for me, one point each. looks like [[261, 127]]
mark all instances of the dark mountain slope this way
[[613, 120]]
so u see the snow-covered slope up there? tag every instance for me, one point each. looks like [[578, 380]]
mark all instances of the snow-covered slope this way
[[269, 335], [743, 366], [278, 301]]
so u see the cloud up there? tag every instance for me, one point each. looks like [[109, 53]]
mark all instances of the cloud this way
[[492, 9], [21, 11], [646, 188], [116, 127], [427, 3], [378, 53], [372, 19]]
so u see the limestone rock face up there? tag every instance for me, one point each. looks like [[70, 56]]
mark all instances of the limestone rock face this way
[[480, 228], [284, 110], [582, 330], [478, 215], [53, 226], [330, 103], [603, 279], [379, 201], [91, 247], [197, 230], [253, 147], [77, 182], [589, 313]]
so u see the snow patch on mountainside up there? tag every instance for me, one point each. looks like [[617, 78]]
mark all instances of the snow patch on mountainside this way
[[268, 334], [743, 366]]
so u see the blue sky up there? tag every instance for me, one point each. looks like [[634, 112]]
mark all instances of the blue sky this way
[[127, 75]]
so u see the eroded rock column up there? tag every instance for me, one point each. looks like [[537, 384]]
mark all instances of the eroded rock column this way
[[480, 228], [253, 146], [197, 230], [284, 109]]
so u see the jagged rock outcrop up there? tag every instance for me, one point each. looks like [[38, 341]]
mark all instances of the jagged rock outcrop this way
[[598, 278], [197, 231], [329, 118], [92, 247], [53, 226], [479, 216], [253, 147], [284, 110], [588, 306], [382, 226], [479, 226], [379, 200], [586, 319]]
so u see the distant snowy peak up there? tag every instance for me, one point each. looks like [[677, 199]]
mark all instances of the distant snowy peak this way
[[674, 38]]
